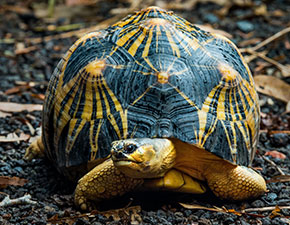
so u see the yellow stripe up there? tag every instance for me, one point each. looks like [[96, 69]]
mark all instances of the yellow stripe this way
[[221, 104], [202, 124], [212, 127], [243, 101], [137, 43], [150, 64], [170, 66], [113, 97], [124, 23], [244, 133], [184, 96], [181, 72], [233, 151], [172, 43], [114, 124], [147, 45], [118, 108], [79, 98], [136, 100], [71, 139], [181, 42], [232, 111], [249, 91], [234, 137], [94, 148], [124, 123], [192, 42], [158, 32], [109, 115], [236, 104], [60, 94], [208, 100], [113, 50], [88, 104], [99, 112], [126, 37]]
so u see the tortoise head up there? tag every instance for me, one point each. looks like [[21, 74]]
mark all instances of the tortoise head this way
[[143, 157]]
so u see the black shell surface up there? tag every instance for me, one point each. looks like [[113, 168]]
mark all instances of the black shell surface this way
[[152, 74]]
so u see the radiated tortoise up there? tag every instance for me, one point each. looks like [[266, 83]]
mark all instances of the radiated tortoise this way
[[155, 103]]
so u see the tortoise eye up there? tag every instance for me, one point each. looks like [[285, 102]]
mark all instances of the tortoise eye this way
[[130, 148]]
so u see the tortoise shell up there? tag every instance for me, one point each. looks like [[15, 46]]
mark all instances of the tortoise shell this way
[[153, 74]]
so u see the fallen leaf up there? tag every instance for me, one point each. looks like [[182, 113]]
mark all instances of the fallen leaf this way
[[12, 137], [276, 154], [275, 212], [273, 87], [279, 178], [234, 212], [17, 89], [16, 107], [15, 181]]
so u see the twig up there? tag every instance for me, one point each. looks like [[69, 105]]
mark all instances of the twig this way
[[253, 51], [273, 164], [270, 208], [26, 199], [239, 213], [284, 69], [25, 50], [272, 38]]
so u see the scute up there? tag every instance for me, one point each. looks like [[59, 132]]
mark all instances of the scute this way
[[152, 74]]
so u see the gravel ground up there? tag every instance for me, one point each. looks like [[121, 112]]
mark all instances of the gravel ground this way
[[22, 60]]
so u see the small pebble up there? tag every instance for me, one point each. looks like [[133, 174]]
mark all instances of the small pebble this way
[[245, 26], [271, 197], [280, 139], [258, 203], [211, 18]]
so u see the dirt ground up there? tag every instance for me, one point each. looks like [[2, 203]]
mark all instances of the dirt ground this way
[[31, 44]]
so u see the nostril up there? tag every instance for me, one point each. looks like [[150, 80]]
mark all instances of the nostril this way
[[119, 155]]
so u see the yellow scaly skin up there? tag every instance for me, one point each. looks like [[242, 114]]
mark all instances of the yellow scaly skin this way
[[158, 164], [226, 180]]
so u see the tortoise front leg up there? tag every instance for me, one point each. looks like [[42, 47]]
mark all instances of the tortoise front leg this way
[[105, 181], [35, 150]]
